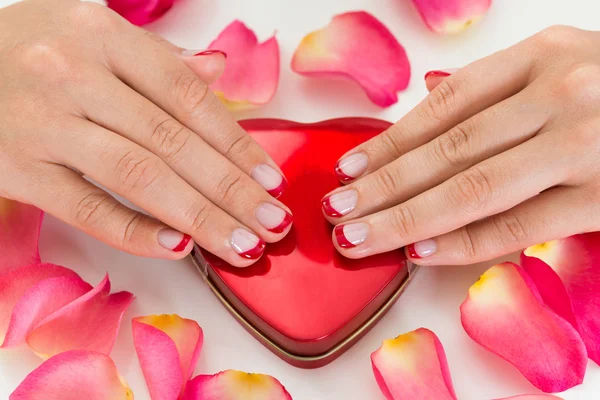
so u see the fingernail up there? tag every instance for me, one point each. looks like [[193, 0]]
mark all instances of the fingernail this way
[[442, 73], [421, 249], [273, 218], [173, 240], [351, 167], [194, 53], [341, 203], [247, 244], [270, 179], [351, 235]]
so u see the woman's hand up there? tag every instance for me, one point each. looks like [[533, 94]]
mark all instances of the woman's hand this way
[[502, 154], [83, 92]]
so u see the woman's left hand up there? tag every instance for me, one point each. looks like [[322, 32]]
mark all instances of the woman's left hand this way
[[501, 155]]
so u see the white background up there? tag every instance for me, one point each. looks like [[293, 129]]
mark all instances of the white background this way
[[431, 301]]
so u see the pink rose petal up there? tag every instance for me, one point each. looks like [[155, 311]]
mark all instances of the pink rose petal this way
[[567, 273], [168, 348], [74, 375], [235, 385], [15, 283], [532, 397], [19, 234], [504, 313], [451, 16], [252, 71], [356, 46], [140, 12], [90, 323], [413, 366]]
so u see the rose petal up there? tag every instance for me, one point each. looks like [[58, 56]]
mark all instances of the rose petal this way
[[505, 314], [571, 283], [451, 16], [356, 46], [15, 283], [90, 323], [39, 301], [252, 71], [140, 12], [168, 347], [235, 385], [532, 397], [19, 234], [74, 375], [413, 366]]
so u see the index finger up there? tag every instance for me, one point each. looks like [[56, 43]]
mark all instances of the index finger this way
[[166, 81], [465, 93]]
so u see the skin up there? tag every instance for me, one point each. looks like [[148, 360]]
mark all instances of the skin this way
[[83, 92], [501, 155]]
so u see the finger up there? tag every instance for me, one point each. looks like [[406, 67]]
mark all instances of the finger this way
[[546, 217], [121, 109], [434, 78], [175, 88], [209, 65], [492, 186], [468, 91], [491, 132], [72, 199], [138, 175]]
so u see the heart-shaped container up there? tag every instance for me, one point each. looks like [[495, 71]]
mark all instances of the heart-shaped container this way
[[302, 299]]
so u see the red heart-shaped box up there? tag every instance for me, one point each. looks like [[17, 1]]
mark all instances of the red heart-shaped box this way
[[302, 299]]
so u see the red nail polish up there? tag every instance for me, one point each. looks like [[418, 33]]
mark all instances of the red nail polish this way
[[255, 252], [328, 208], [211, 52], [287, 220], [341, 238], [183, 244], [412, 253], [441, 74], [279, 189], [341, 175]]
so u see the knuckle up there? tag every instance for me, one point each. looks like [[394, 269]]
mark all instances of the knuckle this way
[[49, 59], [450, 147], [137, 172], [170, 138], [440, 103], [229, 186], [387, 182], [239, 146], [199, 218], [581, 85], [130, 227], [92, 16], [392, 140], [510, 229], [403, 221], [89, 209], [191, 93], [472, 190], [467, 239], [553, 38]]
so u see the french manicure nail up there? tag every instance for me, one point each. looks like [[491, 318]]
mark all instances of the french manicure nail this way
[[351, 235], [273, 218], [339, 204], [351, 167], [173, 240], [421, 249], [270, 179], [247, 244], [442, 73], [194, 53]]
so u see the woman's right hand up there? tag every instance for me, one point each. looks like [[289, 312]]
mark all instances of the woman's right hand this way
[[83, 92]]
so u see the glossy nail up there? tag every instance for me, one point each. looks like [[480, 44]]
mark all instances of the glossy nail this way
[[273, 218], [351, 235], [351, 167], [173, 240], [339, 204], [194, 53], [441, 73], [269, 179], [247, 244], [421, 249]]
